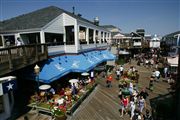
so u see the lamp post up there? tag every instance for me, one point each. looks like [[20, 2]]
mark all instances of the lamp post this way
[[36, 71]]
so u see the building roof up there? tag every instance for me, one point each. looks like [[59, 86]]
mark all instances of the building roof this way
[[35, 19], [110, 27], [127, 34], [114, 33], [140, 30], [172, 34]]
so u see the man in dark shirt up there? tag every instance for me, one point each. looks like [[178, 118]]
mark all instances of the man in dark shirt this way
[[144, 94], [147, 116]]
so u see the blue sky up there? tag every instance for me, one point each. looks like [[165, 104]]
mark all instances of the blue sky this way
[[155, 16]]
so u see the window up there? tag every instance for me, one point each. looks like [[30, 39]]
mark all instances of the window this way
[[1, 43], [1, 104]]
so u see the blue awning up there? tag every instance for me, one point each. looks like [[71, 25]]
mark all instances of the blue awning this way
[[56, 67]]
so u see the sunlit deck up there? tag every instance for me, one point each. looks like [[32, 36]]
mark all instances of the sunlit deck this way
[[103, 102]]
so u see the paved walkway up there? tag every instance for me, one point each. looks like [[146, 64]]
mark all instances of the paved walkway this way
[[103, 103]]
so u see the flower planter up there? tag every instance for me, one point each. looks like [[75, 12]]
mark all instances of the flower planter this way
[[60, 117], [79, 101]]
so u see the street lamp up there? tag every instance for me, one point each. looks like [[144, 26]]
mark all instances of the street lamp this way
[[36, 71]]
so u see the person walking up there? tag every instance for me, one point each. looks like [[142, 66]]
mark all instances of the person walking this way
[[125, 103], [132, 108], [144, 93], [109, 80], [165, 73], [141, 104], [157, 74], [117, 74], [151, 83], [122, 106], [19, 43], [137, 115], [147, 116], [121, 70]]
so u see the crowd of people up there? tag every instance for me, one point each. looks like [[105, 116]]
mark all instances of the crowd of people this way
[[63, 98], [132, 100]]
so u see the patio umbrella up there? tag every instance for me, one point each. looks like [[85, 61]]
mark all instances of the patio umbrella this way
[[73, 80], [85, 74], [44, 87]]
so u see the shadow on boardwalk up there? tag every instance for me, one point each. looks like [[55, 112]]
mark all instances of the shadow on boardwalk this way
[[163, 107]]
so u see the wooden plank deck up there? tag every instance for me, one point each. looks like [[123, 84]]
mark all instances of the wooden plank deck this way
[[33, 115], [103, 103]]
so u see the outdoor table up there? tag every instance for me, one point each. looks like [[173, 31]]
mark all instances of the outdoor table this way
[[44, 87], [74, 81], [85, 74]]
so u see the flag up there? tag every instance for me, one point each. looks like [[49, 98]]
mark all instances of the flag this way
[[9, 86]]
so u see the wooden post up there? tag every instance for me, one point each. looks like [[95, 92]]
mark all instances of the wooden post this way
[[46, 50], [178, 88], [24, 55], [10, 59], [36, 49]]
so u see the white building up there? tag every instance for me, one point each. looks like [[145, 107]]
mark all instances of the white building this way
[[154, 42], [64, 31], [66, 34]]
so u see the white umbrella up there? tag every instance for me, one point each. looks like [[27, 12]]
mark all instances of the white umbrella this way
[[73, 80], [85, 74], [44, 87]]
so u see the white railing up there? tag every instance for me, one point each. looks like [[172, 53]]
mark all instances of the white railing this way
[[70, 49], [87, 47], [53, 50], [137, 44], [102, 45], [155, 44]]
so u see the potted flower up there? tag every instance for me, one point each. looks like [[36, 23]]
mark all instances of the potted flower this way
[[58, 114]]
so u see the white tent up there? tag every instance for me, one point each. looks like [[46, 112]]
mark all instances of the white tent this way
[[173, 61]]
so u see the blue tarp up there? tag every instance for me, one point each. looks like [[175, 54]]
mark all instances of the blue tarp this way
[[56, 67]]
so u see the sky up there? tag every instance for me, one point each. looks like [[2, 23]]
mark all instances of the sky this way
[[155, 16]]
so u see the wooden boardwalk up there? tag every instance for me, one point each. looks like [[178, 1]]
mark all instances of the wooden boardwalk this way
[[103, 103], [33, 115]]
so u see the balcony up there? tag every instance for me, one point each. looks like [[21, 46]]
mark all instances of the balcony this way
[[17, 57], [55, 50]]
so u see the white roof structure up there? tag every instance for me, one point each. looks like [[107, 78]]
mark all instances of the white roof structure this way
[[173, 61], [155, 38], [119, 36]]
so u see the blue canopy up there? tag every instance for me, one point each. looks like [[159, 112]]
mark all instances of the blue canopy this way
[[56, 67]]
